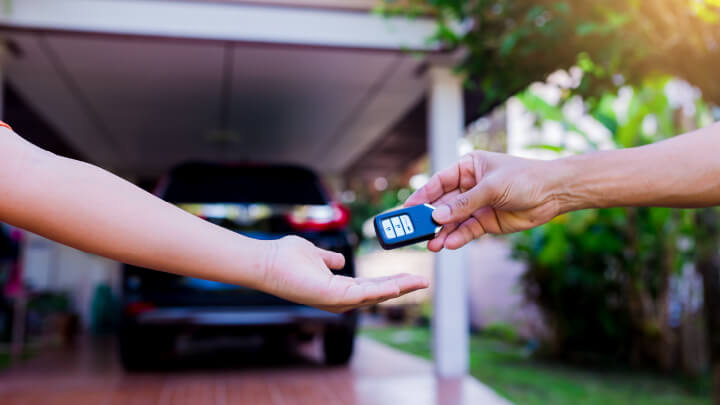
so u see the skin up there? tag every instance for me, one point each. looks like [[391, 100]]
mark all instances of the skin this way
[[498, 194], [92, 210]]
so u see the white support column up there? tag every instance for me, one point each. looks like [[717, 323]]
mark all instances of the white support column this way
[[450, 321]]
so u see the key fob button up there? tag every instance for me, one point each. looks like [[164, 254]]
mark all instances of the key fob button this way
[[407, 224], [389, 232], [398, 226]]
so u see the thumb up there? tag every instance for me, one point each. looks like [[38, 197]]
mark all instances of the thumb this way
[[463, 205], [333, 260]]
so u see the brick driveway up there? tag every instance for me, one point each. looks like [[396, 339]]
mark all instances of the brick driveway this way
[[378, 375]]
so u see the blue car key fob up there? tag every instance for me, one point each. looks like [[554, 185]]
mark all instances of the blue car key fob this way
[[406, 226]]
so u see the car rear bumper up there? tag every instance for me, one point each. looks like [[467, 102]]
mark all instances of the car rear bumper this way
[[261, 316]]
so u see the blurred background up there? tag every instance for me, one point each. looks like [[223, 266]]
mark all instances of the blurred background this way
[[310, 117]]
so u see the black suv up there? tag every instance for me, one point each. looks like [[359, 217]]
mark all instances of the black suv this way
[[263, 202]]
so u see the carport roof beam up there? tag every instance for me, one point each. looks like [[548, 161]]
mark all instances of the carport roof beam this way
[[221, 21]]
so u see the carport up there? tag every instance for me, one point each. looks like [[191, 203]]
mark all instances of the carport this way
[[137, 86]]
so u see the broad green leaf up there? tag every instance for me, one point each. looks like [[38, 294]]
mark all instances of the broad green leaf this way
[[587, 28], [535, 12], [508, 44]]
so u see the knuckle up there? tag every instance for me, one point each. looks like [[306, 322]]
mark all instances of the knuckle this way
[[462, 202]]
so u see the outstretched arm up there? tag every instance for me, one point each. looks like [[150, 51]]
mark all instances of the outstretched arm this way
[[92, 210], [495, 193]]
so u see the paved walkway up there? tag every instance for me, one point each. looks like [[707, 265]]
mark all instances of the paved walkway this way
[[378, 375]]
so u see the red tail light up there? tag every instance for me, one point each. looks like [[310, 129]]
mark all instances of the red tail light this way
[[137, 308], [319, 217]]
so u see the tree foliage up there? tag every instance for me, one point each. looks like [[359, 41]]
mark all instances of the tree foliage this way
[[602, 277], [511, 43]]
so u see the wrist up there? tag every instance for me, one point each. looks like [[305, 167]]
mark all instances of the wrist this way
[[566, 187], [253, 260], [269, 249]]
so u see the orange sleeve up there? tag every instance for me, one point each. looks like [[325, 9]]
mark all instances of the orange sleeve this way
[[2, 124]]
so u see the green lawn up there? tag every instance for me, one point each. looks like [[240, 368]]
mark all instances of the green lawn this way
[[511, 372]]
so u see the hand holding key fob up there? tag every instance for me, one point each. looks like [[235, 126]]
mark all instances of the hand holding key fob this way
[[406, 226]]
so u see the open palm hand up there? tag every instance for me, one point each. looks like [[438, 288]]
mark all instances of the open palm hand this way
[[299, 271]]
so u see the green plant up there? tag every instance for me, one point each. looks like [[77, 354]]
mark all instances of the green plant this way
[[602, 277], [708, 263], [509, 44]]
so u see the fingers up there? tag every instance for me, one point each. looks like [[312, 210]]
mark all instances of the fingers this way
[[436, 244], [465, 233], [462, 175], [462, 206], [361, 292], [409, 283], [405, 282], [361, 280], [333, 260], [439, 184], [470, 172]]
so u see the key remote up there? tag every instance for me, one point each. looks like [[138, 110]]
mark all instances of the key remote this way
[[406, 226]]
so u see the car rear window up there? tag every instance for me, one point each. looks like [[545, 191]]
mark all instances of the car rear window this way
[[223, 184]]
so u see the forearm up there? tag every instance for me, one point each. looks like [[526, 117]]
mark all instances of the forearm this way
[[92, 210], [681, 172]]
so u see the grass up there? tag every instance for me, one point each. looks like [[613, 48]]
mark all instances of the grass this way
[[509, 369]]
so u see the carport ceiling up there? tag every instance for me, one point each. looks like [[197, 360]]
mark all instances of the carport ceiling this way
[[140, 105]]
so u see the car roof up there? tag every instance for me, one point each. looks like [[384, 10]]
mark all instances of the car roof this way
[[207, 168], [197, 182]]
